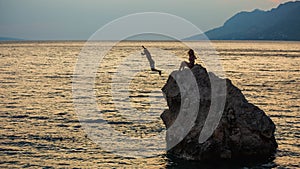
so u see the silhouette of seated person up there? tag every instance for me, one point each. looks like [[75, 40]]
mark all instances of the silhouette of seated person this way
[[191, 62]]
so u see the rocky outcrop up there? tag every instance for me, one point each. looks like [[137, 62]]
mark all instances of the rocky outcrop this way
[[243, 130]]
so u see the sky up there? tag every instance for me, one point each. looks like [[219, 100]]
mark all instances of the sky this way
[[79, 19]]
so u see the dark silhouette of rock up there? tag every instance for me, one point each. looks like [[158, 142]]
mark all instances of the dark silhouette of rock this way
[[281, 23], [243, 132]]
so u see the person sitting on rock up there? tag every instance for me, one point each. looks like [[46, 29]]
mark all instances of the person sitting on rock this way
[[191, 62]]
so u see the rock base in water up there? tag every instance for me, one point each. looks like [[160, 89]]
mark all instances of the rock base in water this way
[[243, 132]]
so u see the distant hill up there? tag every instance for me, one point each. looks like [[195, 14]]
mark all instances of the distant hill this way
[[281, 23], [9, 39]]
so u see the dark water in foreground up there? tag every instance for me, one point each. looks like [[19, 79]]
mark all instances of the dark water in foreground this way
[[39, 126]]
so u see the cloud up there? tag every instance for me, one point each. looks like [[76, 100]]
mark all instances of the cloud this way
[[275, 1], [278, 1]]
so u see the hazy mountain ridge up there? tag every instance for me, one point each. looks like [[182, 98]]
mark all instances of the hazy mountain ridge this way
[[10, 39], [281, 23]]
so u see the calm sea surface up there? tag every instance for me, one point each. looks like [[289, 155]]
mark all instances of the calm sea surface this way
[[40, 127]]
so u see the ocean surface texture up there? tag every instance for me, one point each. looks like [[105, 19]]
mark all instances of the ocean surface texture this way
[[40, 126]]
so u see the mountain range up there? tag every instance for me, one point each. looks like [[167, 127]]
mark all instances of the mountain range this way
[[10, 39], [281, 23]]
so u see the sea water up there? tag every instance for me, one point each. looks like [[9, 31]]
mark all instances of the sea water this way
[[40, 126]]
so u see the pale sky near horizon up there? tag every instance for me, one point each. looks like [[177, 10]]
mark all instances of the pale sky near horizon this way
[[78, 19]]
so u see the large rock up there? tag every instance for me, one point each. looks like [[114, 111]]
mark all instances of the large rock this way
[[243, 130]]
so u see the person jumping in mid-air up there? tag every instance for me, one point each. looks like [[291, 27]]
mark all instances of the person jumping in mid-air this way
[[151, 61], [191, 62]]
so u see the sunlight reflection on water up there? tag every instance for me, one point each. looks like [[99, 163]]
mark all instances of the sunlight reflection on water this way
[[40, 128]]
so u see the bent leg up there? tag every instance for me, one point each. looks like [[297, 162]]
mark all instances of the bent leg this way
[[156, 70], [182, 65]]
